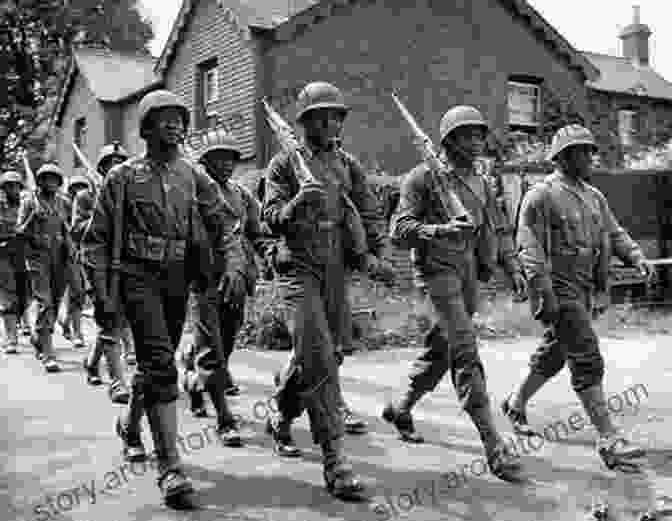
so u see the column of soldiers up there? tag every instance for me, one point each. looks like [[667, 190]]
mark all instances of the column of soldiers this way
[[163, 227]]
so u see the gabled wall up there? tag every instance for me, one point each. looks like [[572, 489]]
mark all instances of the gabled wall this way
[[436, 54], [81, 103], [209, 33]]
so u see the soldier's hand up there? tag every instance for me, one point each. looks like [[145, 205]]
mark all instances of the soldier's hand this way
[[548, 309], [233, 287], [519, 287], [646, 270], [454, 227]]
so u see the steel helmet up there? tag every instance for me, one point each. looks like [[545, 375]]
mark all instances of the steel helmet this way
[[218, 139], [159, 99], [461, 116], [112, 150], [49, 168], [319, 95], [568, 136], [78, 180], [11, 177]]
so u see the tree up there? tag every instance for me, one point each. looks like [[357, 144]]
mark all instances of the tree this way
[[36, 42]]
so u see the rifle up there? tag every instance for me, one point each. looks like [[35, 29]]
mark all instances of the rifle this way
[[93, 174], [288, 142], [31, 186], [452, 205], [117, 243]]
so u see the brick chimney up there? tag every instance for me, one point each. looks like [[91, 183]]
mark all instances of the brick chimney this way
[[636, 40]]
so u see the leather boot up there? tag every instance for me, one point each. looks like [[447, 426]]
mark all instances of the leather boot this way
[[227, 429], [76, 329], [129, 427], [12, 345], [127, 346], [503, 464], [400, 416], [197, 404], [92, 363], [340, 480], [118, 391], [175, 486], [48, 356]]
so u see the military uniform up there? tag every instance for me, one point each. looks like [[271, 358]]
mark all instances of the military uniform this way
[[75, 293], [217, 320], [173, 217], [310, 263], [107, 340], [13, 277], [567, 219], [43, 224], [449, 268], [567, 234]]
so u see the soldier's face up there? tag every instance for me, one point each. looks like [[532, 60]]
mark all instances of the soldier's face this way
[[469, 141], [221, 164], [169, 126], [577, 160], [50, 183], [324, 126], [13, 190]]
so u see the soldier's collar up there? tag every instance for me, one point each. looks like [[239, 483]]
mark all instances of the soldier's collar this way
[[574, 182], [312, 150]]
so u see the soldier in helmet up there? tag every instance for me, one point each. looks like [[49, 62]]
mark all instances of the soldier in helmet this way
[[217, 324], [310, 262], [173, 221], [13, 282], [75, 293], [451, 257], [107, 341], [566, 233], [43, 223]]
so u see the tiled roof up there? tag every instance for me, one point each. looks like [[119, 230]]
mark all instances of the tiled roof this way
[[112, 76], [621, 75], [282, 15]]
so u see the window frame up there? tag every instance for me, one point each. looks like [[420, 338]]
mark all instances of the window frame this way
[[79, 138], [518, 124], [632, 130], [208, 71]]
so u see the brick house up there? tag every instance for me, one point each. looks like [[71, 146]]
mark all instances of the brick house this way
[[98, 104], [222, 57], [630, 103]]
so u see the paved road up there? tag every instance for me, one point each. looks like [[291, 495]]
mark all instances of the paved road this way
[[60, 459]]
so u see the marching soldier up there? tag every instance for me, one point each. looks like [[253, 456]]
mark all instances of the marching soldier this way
[[310, 262], [566, 234], [159, 221], [219, 324], [75, 293], [43, 225], [451, 256], [107, 340], [13, 281]]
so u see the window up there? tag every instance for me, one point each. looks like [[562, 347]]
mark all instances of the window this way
[[207, 93], [210, 85], [524, 102], [626, 127], [79, 137]]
